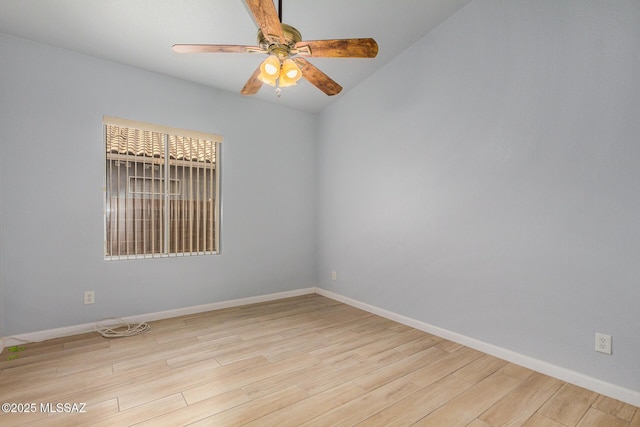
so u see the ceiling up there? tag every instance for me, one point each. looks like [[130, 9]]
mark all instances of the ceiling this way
[[140, 33]]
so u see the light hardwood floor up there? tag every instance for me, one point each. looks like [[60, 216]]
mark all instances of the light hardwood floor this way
[[304, 361]]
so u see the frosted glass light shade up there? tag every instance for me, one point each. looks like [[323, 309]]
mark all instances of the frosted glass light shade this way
[[290, 73], [270, 70]]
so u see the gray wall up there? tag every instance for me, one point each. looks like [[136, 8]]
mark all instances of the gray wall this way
[[1, 239], [51, 176], [486, 182]]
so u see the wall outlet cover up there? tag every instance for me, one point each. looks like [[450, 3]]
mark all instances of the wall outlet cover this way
[[603, 343]]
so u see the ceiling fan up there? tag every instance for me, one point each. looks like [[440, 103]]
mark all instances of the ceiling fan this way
[[286, 62]]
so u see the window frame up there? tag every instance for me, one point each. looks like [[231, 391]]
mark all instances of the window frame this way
[[166, 133]]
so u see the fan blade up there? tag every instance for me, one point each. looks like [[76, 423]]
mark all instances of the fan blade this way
[[266, 16], [253, 85], [339, 48], [317, 77], [215, 48]]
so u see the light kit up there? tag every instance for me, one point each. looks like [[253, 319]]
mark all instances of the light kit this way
[[275, 72], [286, 62]]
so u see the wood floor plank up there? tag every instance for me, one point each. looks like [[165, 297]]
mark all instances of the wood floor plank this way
[[196, 412], [27, 373], [34, 359], [48, 389], [568, 405], [300, 375], [13, 419], [419, 404], [139, 359], [89, 341], [188, 380], [597, 418], [538, 420], [140, 413], [245, 348], [200, 353], [352, 344], [254, 409], [449, 346], [82, 419], [398, 369], [298, 344], [516, 371], [480, 368], [469, 405], [520, 404], [108, 387], [443, 367], [247, 376], [614, 407], [332, 378], [301, 360], [365, 406], [393, 340], [311, 407], [478, 423]]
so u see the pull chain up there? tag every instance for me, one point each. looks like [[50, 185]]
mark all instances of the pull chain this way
[[278, 90]]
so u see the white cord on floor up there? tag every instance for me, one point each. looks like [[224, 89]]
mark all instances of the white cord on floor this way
[[122, 329]]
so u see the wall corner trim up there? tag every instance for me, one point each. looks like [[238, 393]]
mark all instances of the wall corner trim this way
[[623, 394]]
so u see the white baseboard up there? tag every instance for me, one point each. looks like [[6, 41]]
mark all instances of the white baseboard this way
[[89, 327], [626, 395], [623, 394]]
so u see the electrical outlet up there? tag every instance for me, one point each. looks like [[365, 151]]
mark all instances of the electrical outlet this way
[[603, 343], [89, 297], [334, 275]]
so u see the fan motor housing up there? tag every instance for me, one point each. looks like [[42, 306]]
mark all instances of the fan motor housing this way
[[291, 37]]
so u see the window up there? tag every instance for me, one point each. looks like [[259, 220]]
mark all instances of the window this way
[[161, 191]]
